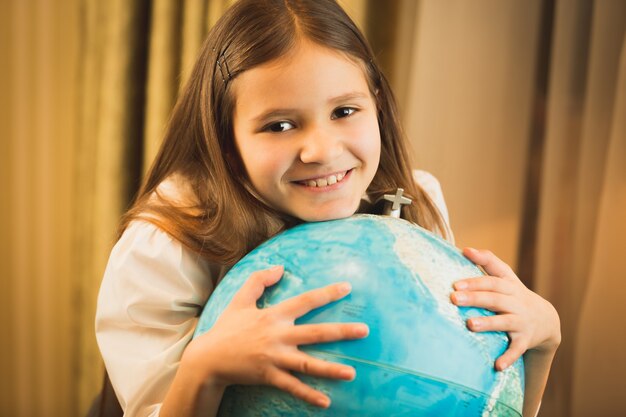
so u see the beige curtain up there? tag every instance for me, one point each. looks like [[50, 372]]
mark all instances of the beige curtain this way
[[38, 45], [599, 364], [583, 211], [89, 88]]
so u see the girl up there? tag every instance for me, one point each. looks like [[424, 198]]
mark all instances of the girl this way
[[286, 118]]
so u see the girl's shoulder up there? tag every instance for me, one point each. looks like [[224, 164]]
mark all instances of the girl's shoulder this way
[[429, 183], [143, 245], [175, 190], [421, 175], [151, 247], [431, 186]]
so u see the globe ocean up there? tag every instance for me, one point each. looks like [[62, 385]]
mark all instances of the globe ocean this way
[[419, 358]]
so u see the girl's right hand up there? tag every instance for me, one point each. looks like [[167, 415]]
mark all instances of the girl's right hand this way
[[249, 345]]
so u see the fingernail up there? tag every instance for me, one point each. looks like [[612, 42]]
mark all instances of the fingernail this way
[[345, 287], [362, 330], [472, 250], [275, 268], [348, 374], [460, 285], [475, 324], [323, 402], [460, 297]]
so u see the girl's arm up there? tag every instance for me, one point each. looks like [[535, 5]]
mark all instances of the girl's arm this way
[[248, 345], [531, 322], [536, 369], [192, 393], [150, 298]]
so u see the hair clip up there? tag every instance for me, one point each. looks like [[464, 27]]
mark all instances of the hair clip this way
[[224, 70]]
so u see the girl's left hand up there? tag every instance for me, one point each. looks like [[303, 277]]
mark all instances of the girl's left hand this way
[[530, 321]]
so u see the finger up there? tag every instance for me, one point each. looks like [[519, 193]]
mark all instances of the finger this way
[[496, 323], [289, 383], [255, 285], [490, 262], [301, 304], [307, 334], [484, 283], [309, 365], [514, 352], [496, 302]]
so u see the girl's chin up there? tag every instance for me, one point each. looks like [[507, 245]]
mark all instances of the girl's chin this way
[[323, 218], [325, 215]]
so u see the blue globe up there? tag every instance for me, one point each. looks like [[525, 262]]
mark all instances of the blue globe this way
[[419, 358]]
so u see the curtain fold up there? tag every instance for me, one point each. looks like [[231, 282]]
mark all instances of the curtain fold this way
[[599, 364], [113, 73], [585, 72], [162, 74], [177, 30], [39, 49]]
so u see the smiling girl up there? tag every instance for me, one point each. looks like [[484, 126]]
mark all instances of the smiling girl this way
[[286, 118]]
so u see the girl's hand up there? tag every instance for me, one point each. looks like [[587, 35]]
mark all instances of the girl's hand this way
[[530, 321], [248, 345]]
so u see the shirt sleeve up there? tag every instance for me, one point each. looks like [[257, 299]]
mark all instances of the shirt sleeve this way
[[151, 295], [431, 186]]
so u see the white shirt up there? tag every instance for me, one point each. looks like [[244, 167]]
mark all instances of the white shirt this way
[[152, 293]]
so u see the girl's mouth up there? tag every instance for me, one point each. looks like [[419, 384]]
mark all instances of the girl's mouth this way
[[326, 181]]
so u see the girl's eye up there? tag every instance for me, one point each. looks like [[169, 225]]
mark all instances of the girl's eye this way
[[279, 127], [342, 112]]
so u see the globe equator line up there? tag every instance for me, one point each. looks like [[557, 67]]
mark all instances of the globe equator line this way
[[406, 371]]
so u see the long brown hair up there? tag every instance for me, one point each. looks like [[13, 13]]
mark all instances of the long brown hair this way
[[225, 220]]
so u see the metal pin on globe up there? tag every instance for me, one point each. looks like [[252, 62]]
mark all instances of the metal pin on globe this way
[[394, 203]]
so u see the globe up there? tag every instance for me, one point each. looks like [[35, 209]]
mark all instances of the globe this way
[[419, 358]]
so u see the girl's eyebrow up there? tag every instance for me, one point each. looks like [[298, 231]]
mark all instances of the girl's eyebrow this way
[[283, 112], [355, 95], [272, 114]]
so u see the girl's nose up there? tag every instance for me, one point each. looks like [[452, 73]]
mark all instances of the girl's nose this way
[[320, 147]]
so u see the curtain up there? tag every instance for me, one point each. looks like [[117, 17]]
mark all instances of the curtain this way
[[518, 107], [38, 45], [582, 193], [599, 364]]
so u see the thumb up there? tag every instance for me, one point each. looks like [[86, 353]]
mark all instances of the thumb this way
[[256, 284]]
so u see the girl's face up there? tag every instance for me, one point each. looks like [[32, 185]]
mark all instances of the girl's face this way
[[307, 131]]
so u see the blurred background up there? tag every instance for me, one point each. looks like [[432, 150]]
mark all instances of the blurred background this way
[[517, 106]]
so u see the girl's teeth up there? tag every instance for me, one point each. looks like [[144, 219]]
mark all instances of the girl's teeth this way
[[323, 182]]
